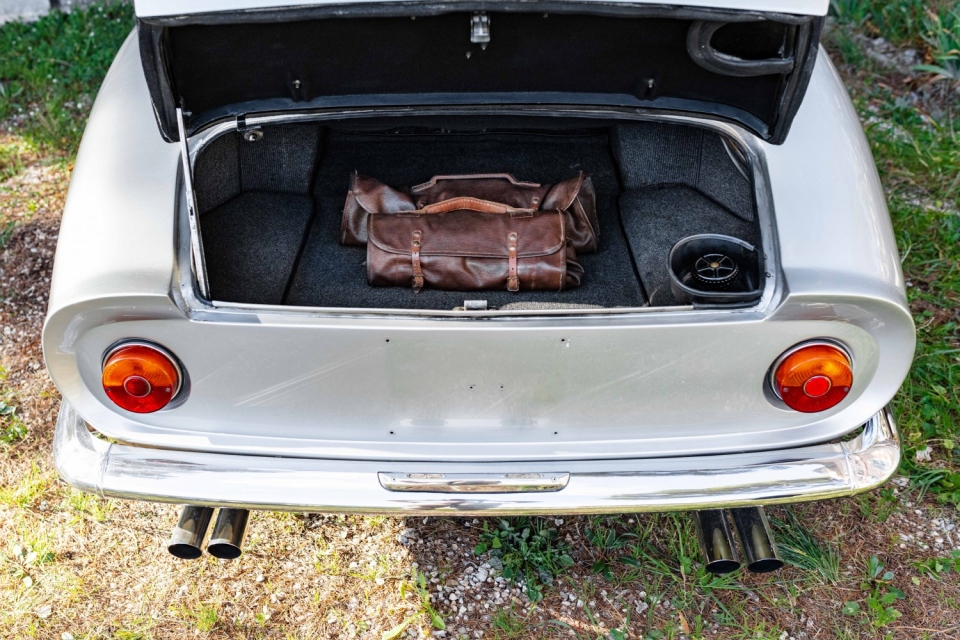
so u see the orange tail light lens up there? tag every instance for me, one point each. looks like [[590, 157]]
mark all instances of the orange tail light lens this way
[[140, 378], [813, 378]]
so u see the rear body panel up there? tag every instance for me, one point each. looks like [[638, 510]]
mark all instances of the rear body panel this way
[[353, 385]]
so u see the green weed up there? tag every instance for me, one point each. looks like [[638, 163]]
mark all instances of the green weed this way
[[530, 550], [937, 568], [878, 505], [507, 625], [203, 616], [87, 505], [882, 595], [12, 428], [28, 490], [942, 35], [327, 559], [13, 152], [609, 542], [417, 585]]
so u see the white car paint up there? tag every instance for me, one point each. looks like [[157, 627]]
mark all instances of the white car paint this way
[[280, 379], [160, 8]]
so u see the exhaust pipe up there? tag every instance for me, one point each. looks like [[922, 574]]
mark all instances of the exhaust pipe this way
[[756, 540], [713, 529], [189, 532], [228, 531]]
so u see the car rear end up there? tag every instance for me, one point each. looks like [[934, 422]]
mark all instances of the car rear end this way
[[636, 400]]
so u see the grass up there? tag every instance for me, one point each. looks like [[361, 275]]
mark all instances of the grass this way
[[800, 548], [203, 616], [942, 35], [919, 163], [50, 71], [916, 143], [902, 22]]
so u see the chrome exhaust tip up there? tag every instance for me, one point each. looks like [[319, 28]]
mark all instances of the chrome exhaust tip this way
[[756, 540], [716, 542], [226, 541], [187, 537]]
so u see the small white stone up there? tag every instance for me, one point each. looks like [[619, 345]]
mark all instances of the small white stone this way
[[44, 611]]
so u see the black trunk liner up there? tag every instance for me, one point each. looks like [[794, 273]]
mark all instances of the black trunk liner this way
[[250, 245], [331, 275], [656, 218]]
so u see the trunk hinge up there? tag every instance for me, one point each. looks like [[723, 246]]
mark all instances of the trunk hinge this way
[[196, 243], [250, 133]]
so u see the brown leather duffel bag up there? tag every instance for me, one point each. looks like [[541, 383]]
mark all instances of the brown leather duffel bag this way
[[468, 244], [575, 198]]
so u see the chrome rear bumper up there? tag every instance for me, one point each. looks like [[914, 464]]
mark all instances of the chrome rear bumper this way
[[608, 486]]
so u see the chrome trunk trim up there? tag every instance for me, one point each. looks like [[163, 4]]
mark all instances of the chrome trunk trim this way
[[473, 482], [199, 306], [193, 212], [594, 486]]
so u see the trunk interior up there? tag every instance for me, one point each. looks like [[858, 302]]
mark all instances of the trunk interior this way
[[270, 210]]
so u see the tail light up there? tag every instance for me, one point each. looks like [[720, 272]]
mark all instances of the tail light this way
[[141, 378], [813, 377]]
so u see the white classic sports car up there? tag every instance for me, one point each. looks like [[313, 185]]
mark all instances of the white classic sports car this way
[[733, 342]]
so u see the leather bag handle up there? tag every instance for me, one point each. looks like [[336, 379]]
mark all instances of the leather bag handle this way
[[470, 204], [475, 176]]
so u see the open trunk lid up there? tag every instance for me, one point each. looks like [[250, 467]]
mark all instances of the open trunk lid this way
[[746, 61]]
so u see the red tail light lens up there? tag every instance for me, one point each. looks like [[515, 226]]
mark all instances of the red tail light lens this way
[[140, 378], [813, 378]]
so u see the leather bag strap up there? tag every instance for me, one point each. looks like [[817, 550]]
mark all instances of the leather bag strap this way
[[513, 280], [415, 257]]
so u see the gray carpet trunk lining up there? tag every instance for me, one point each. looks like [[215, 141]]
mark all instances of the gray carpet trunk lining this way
[[271, 209], [251, 245], [659, 217], [334, 275]]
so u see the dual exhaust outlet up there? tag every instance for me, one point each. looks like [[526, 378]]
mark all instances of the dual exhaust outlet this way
[[226, 539], [752, 530], [713, 528]]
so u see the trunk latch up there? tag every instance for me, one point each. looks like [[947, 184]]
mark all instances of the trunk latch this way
[[480, 29]]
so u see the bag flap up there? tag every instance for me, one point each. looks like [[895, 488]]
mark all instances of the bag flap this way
[[469, 233], [376, 197]]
